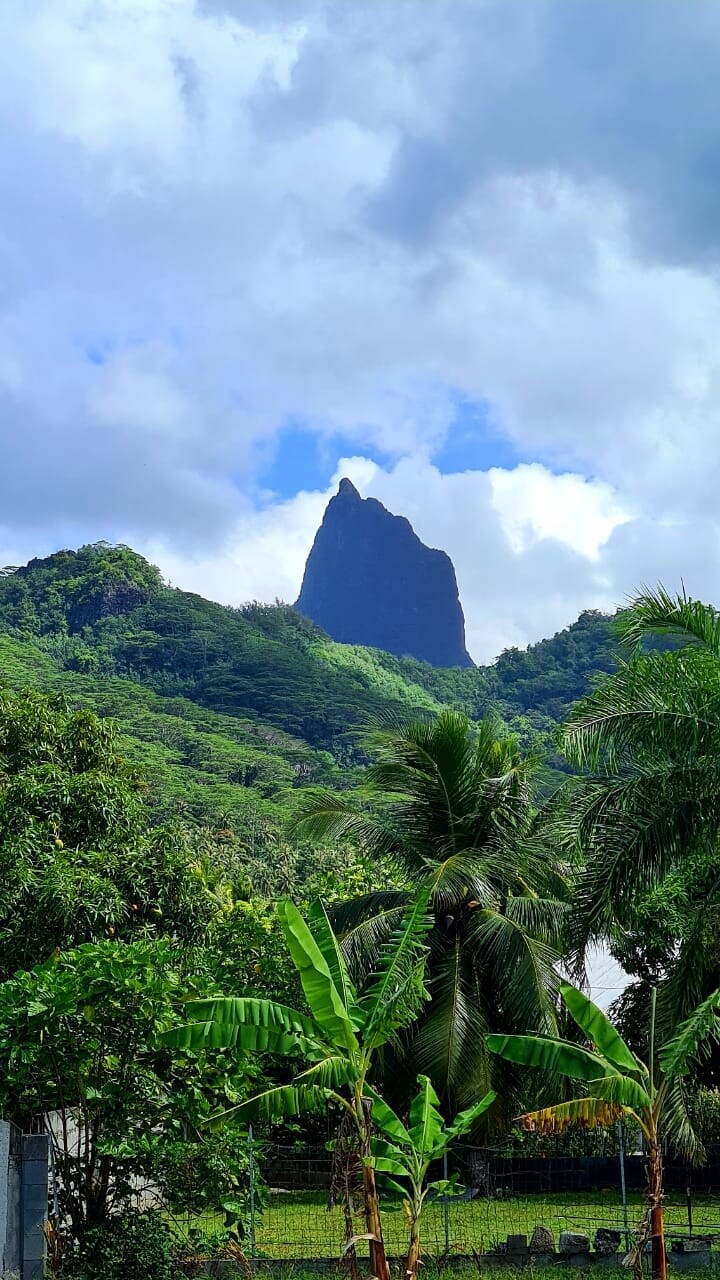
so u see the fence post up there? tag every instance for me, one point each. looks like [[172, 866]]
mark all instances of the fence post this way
[[446, 1208], [623, 1189], [688, 1198], [251, 1162]]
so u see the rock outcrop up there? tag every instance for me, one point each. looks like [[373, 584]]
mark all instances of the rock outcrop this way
[[370, 580]]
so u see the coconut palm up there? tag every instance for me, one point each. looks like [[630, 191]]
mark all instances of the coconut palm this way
[[450, 807], [646, 803]]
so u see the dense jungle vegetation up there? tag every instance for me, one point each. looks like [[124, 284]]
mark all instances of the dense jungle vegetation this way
[[228, 712], [173, 772]]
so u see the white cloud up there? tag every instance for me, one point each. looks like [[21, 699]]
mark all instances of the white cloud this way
[[533, 503], [219, 218]]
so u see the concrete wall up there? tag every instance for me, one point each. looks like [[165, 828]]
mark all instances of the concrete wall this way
[[23, 1201]]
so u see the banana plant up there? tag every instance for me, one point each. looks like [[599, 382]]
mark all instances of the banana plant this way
[[407, 1152], [622, 1087], [339, 1039]]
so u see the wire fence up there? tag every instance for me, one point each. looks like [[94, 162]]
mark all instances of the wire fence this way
[[502, 1196], [290, 1218]]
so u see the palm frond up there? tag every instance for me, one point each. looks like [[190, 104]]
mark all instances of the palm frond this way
[[364, 925], [470, 874], [449, 1044], [661, 704], [523, 968], [679, 1127], [325, 815], [654, 613], [394, 998], [694, 1038], [544, 918], [635, 827]]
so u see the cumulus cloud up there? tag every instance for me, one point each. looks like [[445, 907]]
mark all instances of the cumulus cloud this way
[[531, 549], [220, 218]]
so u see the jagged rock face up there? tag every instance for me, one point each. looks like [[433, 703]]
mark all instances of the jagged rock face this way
[[370, 580]]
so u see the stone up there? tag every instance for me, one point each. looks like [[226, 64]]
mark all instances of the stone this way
[[515, 1244], [606, 1242], [516, 1249], [542, 1240], [693, 1244], [369, 580], [572, 1242]]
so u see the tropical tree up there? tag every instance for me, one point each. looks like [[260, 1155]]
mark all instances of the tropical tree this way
[[407, 1152], [79, 1053], [340, 1038], [79, 860], [645, 807], [451, 809], [621, 1086]]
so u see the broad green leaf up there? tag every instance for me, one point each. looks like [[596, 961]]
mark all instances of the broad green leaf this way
[[550, 1055], [324, 935], [277, 1104], [384, 1164], [693, 1039], [389, 1159], [448, 1188], [390, 1184], [225, 1035], [598, 1028], [426, 1123], [386, 1119], [320, 991], [259, 1025], [622, 1089], [588, 1113], [331, 1073], [465, 1120]]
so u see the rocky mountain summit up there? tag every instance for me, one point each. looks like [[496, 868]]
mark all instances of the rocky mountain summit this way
[[369, 580]]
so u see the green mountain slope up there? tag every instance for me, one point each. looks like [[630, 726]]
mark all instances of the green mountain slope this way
[[229, 711]]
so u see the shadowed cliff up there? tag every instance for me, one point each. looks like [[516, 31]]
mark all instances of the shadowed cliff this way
[[369, 580]]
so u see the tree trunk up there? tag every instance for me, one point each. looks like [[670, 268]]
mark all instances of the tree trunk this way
[[655, 1202], [378, 1261], [413, 1256]]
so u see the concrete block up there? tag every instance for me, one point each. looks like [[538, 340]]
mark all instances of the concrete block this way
[[574, 1242]]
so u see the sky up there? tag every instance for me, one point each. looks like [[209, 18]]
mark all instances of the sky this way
[[464, 252]]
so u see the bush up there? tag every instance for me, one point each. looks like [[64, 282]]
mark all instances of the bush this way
[[135, 1246]]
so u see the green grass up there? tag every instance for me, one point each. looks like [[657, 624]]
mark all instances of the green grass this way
[[298, 1225]]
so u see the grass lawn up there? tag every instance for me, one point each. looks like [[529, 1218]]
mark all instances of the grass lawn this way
[[298, 1225]]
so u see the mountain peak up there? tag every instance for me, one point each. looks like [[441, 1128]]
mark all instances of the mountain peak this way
[[369, 580]]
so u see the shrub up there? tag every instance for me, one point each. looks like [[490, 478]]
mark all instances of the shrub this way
[[135, 1246]]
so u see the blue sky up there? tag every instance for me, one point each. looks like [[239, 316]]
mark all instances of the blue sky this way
[[465, 252], [299, 458]]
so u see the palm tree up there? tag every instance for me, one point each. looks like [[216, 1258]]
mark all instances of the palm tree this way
[[452, 811], [646, 803], [340, 1039], [621, 1086]]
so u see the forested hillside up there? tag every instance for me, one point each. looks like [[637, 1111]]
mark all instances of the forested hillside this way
[[229, 711]]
